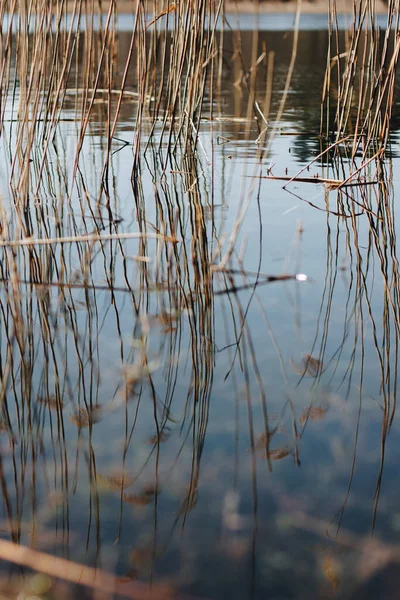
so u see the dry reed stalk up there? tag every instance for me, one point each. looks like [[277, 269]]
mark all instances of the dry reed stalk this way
[[85, 238], [365, 82], [63, 226], [74, 572]]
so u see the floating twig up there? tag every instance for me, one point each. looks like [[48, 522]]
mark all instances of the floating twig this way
[[29, 241]]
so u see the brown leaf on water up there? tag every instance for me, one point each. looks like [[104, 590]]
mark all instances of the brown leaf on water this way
[[52, 401], [315, 413], [312, 367], [263, 440], [84, 417], [114, 482], [145, 497], [329, 572], [279, 453], [159, 439]]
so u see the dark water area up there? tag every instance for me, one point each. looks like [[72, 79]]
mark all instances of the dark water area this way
[[303, 105], [230, 438]]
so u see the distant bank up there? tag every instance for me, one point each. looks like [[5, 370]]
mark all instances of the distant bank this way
[[272, 6], [289, 6]]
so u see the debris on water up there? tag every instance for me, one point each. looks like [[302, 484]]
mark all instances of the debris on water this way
[[84, 417], [315, 413], [300, 231], [143, 498], [52, 401], [328, 569], [168, 321], [114, 482], [313, 365], [270, 167], [263, 440], [159, 438], [279, 453], [309, 366]]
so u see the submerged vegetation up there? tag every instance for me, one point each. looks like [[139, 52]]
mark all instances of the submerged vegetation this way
[[139, 327]]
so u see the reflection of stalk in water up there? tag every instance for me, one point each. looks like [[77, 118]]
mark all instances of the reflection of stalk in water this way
[[365, 69], [361, 307], [89, 363], [57, 311]]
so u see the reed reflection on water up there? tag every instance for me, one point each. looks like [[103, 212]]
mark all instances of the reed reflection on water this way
[[198, 367]]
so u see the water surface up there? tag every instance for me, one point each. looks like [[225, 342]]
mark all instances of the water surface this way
[[141, 383]]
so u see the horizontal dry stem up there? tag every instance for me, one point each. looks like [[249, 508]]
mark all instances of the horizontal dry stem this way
[[86, 238], [80, 574]]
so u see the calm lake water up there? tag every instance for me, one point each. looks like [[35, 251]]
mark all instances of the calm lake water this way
[[139, 395]]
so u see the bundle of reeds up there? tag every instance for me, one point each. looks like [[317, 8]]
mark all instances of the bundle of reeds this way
[[360, 77]]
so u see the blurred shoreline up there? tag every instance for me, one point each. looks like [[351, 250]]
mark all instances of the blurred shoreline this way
[[272, 7], [290, 6]]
